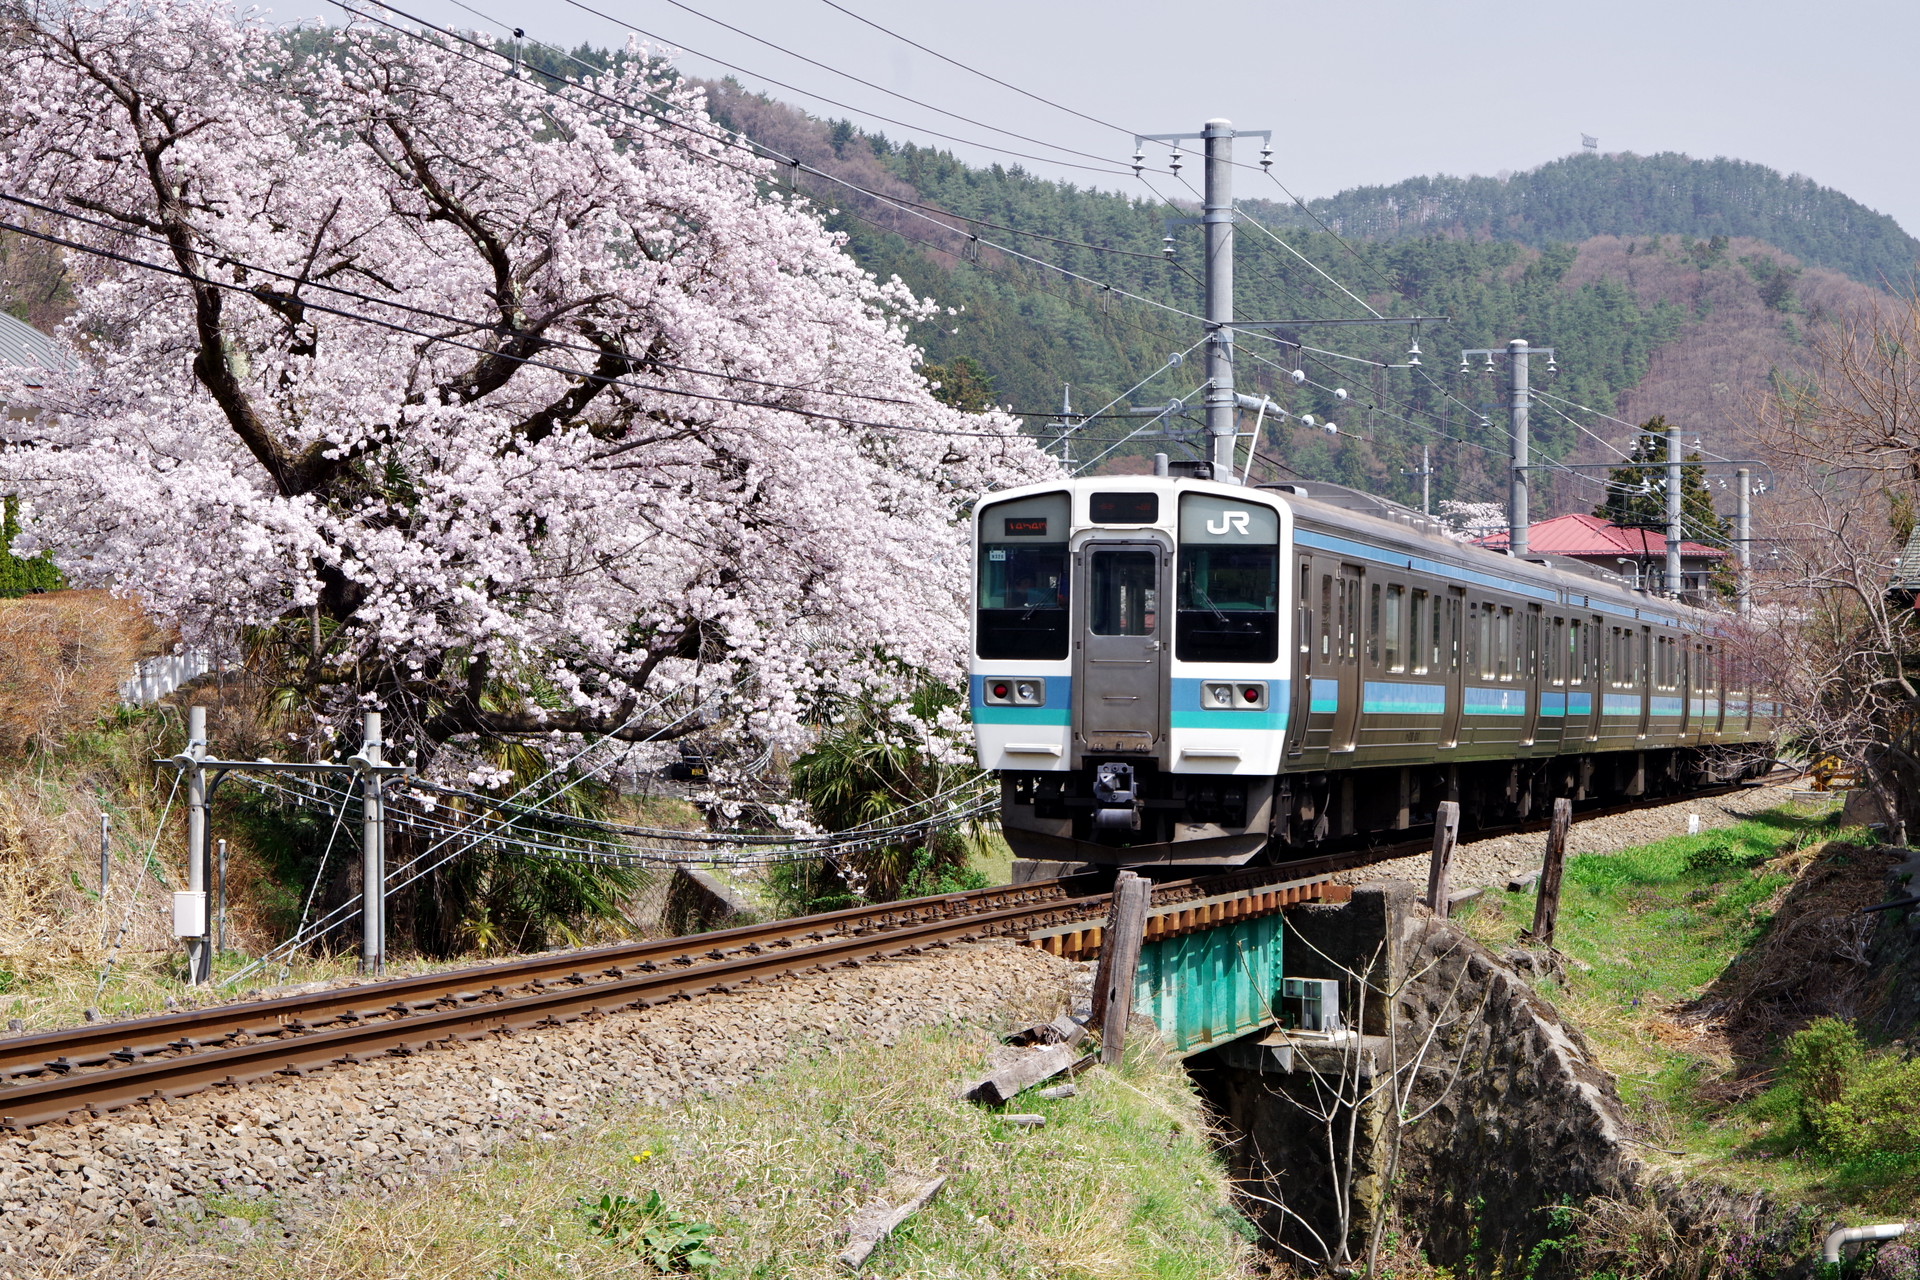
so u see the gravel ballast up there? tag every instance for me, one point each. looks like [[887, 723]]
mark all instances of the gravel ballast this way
[[1490, 863], [69, 1190]]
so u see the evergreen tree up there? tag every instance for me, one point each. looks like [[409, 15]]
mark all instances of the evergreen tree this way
[[20, 575], [1637, 490]]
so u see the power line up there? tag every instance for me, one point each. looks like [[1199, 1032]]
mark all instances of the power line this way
[[821, 97], [975, 70], [1086, 155], [534, 361]]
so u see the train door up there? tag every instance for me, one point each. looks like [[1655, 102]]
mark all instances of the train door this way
[[1589, 665], [1644, 674], [1123, 647], [1350, 584], [1530, 676], [1451, 662], [1306, 630]]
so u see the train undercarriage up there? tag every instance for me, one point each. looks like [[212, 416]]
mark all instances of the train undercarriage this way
[[1202, 820]]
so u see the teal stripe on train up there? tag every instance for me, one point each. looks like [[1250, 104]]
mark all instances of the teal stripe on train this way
[[1324, 697], [1188, 713], [1494, 702], [1399, 698]]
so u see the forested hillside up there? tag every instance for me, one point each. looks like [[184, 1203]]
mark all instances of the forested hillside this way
[[1665, 321], [1585, 195], [1665, 284]]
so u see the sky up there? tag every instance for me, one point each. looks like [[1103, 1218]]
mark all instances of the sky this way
[[1355, 93]]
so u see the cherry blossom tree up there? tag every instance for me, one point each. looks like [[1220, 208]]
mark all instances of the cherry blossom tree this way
[[514, 408]]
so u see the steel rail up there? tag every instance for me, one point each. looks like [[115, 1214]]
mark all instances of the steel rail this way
[[177, 1053], [97, 1044], [299, 1052]]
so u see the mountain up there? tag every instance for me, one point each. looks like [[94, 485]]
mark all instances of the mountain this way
[[1589, 194]]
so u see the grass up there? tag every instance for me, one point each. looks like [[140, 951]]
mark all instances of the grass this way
[[1648, 931], [1121, 1182]]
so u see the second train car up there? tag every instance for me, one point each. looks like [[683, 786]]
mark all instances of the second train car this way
[[1172, 671]]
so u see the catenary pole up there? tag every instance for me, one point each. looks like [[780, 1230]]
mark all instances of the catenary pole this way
[[373, 861], [1517, 520], [1743, 537], [1674, 582], [1221, 400], [193, 926]]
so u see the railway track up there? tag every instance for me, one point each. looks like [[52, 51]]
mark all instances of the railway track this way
[[92, 1069]]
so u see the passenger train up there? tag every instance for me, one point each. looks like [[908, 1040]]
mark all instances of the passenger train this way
[[1171, 671]]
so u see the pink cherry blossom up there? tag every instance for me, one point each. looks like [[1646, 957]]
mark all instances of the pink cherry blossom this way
[[505, 521]]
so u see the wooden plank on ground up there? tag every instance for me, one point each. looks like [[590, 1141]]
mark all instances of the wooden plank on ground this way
[[877, 1221], [1022, 1073], [1131, 900]]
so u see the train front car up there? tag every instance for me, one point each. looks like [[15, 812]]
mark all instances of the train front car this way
[[1130, 663]]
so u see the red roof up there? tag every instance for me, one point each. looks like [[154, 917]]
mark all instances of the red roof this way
[[1591, 538]]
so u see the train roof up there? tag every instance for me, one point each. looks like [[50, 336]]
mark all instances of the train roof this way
[[1390, 524]]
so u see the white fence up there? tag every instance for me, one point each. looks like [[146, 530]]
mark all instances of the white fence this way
[[155, 678]]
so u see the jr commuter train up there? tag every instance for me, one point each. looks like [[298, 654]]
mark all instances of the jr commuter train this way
[[1171, 671]]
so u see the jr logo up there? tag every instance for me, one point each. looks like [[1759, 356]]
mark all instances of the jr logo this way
[[1230, 522]]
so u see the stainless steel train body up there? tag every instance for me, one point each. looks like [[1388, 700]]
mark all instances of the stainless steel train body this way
[[1173, 671]]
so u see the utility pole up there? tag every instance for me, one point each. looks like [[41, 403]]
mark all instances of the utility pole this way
[[1518, 400], [1674, 582], [190, 907], [373, 853], [1743, 538], [1426, 481], [1221, 403], [1218, 217]]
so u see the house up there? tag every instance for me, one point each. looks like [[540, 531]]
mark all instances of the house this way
[[1639, 555], [24, 347]]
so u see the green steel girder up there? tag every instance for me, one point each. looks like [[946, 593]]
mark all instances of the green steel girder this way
[[1206, 988]]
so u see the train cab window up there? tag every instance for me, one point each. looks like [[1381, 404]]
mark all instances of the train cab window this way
[[1393, 637], [1021, 601], [1229, 583], [1424, 634], [1124, 589]]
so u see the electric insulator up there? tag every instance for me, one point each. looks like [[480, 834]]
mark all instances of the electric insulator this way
[[1266, 157], [1139, 161]]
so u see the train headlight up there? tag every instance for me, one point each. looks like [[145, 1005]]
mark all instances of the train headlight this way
[[1000, 691], [1219, 695], [1025, 691], [1251, 695]]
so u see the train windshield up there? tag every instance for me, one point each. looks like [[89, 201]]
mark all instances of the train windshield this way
[[1229, 588], [1022, 600]]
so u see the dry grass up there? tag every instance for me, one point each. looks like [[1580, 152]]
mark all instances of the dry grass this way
[[62, 658], [1122, 1183]]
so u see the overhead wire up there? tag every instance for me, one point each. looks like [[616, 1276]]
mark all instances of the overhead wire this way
[[1108, 165]]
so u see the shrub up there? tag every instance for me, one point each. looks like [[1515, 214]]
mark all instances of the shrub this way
[[1877, 1113], [1821, 1061]]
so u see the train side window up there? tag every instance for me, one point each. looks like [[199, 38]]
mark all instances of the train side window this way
[[1481, 626], [1453, 634], [1351, 623], [1531, 670], [1326, 616], [1424, 654], [1303, 604], [1576, 667], [1394, 628], [1503, 642], [1557, 652]]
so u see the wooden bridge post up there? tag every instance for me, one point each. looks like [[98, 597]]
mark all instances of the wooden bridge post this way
[[1120, 963], [1546, 909], [1446, 832]]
